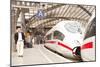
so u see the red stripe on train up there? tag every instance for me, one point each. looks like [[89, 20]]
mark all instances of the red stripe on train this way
[[63, 45], [87, 45], [51, 42], [60, 44]]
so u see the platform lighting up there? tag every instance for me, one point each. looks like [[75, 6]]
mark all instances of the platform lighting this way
[[23, 3]]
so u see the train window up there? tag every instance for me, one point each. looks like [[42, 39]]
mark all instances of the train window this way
[[49, 37], [58, 35], [72, 27], [91, 30]]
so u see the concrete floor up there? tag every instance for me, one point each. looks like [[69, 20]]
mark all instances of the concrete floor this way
[[37, 55]]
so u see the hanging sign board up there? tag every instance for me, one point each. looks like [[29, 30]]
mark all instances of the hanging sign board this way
[[40, 14]]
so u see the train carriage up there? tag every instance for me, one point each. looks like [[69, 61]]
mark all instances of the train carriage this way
[[65, 38], [88, 46]]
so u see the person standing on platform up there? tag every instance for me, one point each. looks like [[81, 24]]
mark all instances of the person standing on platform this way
[[19, 41], [33, 41]]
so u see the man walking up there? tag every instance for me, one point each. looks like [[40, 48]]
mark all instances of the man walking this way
[[19, 41]]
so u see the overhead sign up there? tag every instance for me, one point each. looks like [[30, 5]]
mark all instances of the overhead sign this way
[[40, 14]]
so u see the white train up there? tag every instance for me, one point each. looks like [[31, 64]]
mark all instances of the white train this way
[[65, 38], [88, 46]]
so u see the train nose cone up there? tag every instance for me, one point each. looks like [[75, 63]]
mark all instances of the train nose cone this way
[[76, 53]]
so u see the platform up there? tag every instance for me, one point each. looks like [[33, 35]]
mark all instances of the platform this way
[[37, 55]]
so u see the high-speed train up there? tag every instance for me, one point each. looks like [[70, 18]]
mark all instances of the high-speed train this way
[[65, 38], [88, 46]]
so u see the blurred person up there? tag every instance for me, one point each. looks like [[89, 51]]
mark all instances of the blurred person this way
[[19, 41], [39, 39], [33, 41], [29, 40]]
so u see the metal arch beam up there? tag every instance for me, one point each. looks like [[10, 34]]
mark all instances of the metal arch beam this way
[[56, 18], [49, 9], [48, 17], [66, 18], [22, 6], [84, 10], [51, 24], [50, 20], [59, 18], [54, 7]]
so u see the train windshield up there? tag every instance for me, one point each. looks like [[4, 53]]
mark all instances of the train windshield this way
[[49, 37], [72, 27], [58, 35], [91, 29]]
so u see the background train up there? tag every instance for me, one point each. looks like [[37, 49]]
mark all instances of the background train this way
[[65, 38], [88, 46]]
